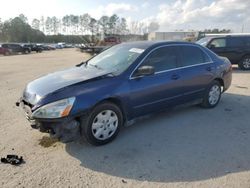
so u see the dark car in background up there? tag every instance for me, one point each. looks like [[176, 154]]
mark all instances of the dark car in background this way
[[17, 48], [46, 47], [235, 48], [34, 47], [126, 81], [5, 51]]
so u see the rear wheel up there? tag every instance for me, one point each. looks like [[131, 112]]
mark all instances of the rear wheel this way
[[212, 95], [244, 64], [103, 124]]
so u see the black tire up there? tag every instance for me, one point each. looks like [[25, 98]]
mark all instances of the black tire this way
[[243, 64], [207, 103], [87, 122]]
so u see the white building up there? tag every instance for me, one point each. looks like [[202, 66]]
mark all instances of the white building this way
[[174, 35]]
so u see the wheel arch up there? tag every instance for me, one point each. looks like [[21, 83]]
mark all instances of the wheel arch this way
[[245, 55], [221, 81], [118, 102]]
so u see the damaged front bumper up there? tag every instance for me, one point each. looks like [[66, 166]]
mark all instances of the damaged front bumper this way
[[65, 129]]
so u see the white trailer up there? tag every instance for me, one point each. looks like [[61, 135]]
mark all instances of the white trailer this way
[[175, 35]]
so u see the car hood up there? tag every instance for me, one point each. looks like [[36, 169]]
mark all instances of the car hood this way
[[50, 83]]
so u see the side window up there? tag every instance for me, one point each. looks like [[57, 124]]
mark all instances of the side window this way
[[13, 46], [192, 55], [164, 58], [235, 42], [218, 43]]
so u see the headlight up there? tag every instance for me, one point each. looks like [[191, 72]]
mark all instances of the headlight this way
[[56, 109]]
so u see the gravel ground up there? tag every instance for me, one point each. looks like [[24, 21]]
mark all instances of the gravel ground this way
[[187, 147]]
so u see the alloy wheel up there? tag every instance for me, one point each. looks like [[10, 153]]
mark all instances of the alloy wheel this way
[[246, 63], [214, 94]]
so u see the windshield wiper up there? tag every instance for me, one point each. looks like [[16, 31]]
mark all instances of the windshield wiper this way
[[82, 63]]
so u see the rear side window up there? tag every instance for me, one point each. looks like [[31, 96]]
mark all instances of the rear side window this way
[[192, 55], [218, 43], [13, 46], [235, 42], [164, 58]]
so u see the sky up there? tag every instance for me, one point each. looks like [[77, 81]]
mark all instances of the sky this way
[[170, 14]]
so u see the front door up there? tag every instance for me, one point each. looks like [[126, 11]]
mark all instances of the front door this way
[[160, 90]]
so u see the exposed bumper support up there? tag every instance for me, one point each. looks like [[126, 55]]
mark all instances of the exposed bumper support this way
[[64, 129]]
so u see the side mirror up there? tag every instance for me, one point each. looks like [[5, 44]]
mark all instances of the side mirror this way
[[211, 46], [145, 71]]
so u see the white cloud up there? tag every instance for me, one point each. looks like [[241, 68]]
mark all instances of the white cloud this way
[[112, 8], [145, 5], [193, 14]]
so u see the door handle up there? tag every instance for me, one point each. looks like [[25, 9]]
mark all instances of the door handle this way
[[175, 77]]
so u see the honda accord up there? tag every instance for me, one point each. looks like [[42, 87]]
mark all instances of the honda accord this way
[[96, 98]]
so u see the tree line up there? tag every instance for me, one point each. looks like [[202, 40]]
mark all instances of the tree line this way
[[71, 28], [80, 25], [76, 29]]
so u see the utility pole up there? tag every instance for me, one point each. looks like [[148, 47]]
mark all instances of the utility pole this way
[[242, 29]]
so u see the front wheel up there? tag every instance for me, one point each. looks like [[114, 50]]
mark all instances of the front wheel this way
[[244, 64], [102, 125], [212, 95]]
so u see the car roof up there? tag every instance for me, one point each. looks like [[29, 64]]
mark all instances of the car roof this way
[[148, 44], [228, 36]]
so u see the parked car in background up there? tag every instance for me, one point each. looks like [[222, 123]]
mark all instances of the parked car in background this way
[[59, 46], [51, 47], [5, 51], [17, 48], [124, 82], [68, 46], [235, 48], [34, 47], [46, 47]]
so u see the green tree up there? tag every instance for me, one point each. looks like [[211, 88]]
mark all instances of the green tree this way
[[104, 24], [113, 20], [42, 24], [93, 28], [54, 25], [66, 23], [23, 18], [84, 21], [48, 25], [35, 24], [74, 21], [1, 30]]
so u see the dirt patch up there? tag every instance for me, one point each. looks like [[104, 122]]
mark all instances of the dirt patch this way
[[46, 141]]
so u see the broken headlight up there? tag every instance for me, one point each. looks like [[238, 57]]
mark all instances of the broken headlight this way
[[56, 109]]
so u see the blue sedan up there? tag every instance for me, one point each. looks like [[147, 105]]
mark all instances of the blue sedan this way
[[94, 99]]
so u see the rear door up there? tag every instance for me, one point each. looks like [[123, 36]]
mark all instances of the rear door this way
[[235, 48], [155, 92], [197, 71]]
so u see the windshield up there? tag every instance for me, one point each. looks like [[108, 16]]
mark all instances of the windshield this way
[[116, 59], [203, 41]]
